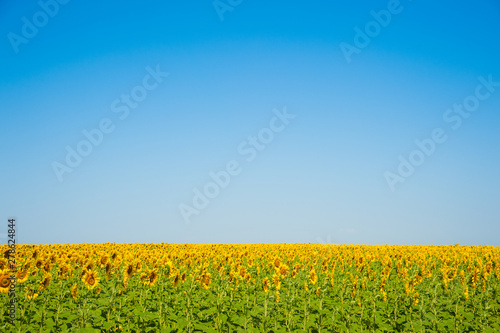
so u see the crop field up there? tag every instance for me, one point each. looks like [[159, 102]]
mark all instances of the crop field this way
[[251, 288]]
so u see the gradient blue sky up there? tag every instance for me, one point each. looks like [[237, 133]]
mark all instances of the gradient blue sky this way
[[320, 180]]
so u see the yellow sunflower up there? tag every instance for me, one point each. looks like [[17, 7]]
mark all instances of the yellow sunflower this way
[[63, 270], [104, 260], [283, 269], [91, 279], [107, 270], [152, 277], [22, 275], [74, 291], [89, 265], [313, 278], [143, 277], [175, 281], [205, 280], [31, 296], [45, 281], [4, 281], [129, 271], [276, 281], [265, 284], [3, 264], [39, 263]]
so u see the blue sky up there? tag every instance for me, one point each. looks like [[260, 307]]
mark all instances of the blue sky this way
[[329, 173]]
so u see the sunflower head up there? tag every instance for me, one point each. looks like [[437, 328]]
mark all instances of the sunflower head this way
[[277, 262], [205, 280], [48, 266], [89, 265], [74, 291], [153, 277], [3, 264], [104, 260], [22, 276], [176, 279], [63, 270], [313, 278], [138, 266], [276, 281], [4, 281], [129, 270], [45, 281], [107, 270], [91, 279], [31, 296], [265, 284], [283, 269]]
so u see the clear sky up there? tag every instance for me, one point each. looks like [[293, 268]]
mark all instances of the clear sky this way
[[367, 122]]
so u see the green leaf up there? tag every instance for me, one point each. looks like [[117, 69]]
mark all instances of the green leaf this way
[[108, 325]]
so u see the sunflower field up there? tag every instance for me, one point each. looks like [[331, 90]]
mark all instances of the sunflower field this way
[[251, 288]]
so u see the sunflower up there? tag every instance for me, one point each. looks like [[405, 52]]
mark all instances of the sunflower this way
[[45, 281], [107, 270], [306, 287], [63, 270], [283, 269], [22, 275], [48, 266], [39, 263], [175, 281], [31, 296], [183, 277], [4, 281], [276, 281], [277, 262], [53, 258], [313, 278], [104, 260], [138, 266], [129, 271], [89, 265], [265, 284], [152, 277], [205, 280], [74, 291], [91, 279], [3, 264], [143, 277]]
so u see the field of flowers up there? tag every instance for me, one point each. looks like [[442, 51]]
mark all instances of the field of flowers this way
[[252, 288]]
